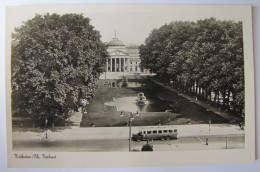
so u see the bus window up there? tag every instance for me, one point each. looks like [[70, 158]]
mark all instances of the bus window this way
[[159, 131], [170, 131], [149, 132], [175, 130], [144, 132], [154, 131], [164, 131]]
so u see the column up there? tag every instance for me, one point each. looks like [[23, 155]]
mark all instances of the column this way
[[115, 64], [107, 64], [126, 65], [119, 64], [110, 64], [123, 64]]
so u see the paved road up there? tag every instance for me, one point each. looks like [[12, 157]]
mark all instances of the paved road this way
[[82, 133], [122, 145], [116, 138]]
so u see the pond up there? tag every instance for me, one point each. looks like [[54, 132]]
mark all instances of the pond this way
[[131, 85], [153, 104]]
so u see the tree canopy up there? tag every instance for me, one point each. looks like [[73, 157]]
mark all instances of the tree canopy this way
[[205, 55], [56, 60]]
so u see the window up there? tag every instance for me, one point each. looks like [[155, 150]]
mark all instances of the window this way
[[144, 132], [149, 132], [165, 131], [154, 131], [170, 131], [175, 131], [159, 131]]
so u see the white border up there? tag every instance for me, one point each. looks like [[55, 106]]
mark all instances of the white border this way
[[252, 102]]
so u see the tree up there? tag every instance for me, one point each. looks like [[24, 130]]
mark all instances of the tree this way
[[201, 57], [55, 60], [162, 46]]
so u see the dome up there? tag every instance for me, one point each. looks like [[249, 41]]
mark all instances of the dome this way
[[115, 42]]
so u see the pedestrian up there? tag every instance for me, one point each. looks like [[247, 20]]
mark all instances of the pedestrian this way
[[242, 126]]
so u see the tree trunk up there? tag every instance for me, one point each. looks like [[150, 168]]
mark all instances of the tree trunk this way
[[204, 94], [233, 99], [215, 97], [196, 89], [209, 95], [218, 98], [193, 88], [228, 99], [224, 97]]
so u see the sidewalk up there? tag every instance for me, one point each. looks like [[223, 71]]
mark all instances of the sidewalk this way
[[205, 105], [77, 133]]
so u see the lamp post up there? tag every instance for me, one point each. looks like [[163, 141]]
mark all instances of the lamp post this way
[[130, 119], [209, 125], [46, 122]]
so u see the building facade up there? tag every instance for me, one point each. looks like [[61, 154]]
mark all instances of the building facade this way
[[122, 58]]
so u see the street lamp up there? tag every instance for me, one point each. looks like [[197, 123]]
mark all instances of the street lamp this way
[[209, 125], [46, 123], [130, 119]]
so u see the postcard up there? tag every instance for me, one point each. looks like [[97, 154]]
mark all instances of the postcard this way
[[129, 85]]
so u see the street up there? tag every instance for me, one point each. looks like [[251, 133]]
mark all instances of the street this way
[[121, 145], [105, 139]]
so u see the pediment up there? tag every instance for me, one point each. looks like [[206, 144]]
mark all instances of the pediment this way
[[118, 53]]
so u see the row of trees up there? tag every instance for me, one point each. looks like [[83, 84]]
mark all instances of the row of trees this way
[[204, 58], [56, 61]]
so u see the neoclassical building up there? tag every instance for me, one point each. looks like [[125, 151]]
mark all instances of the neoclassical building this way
[[122, 58]]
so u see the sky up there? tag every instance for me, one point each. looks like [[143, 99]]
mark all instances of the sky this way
[[132, 23]]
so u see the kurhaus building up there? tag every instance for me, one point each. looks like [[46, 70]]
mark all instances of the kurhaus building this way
[[122, 58]]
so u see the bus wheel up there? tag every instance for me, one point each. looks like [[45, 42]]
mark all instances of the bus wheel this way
[[168, 138], [162, 138], [138, 139]]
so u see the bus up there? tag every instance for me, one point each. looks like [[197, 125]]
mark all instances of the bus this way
[[155, 134]]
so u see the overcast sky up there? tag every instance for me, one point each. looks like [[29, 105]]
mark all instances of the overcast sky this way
[[132, 23]]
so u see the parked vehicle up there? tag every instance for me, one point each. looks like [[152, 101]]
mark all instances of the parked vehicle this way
[[161, 133]]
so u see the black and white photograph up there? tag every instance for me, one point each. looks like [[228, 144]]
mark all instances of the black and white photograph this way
[[129, 80]]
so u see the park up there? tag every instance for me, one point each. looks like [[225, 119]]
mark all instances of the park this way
[[164, 106]]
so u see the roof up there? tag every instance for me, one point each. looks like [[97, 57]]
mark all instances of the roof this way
[[132, 51], [115, 42]]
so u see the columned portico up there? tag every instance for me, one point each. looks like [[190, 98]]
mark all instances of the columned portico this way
[[122, 58], [116, 65]]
